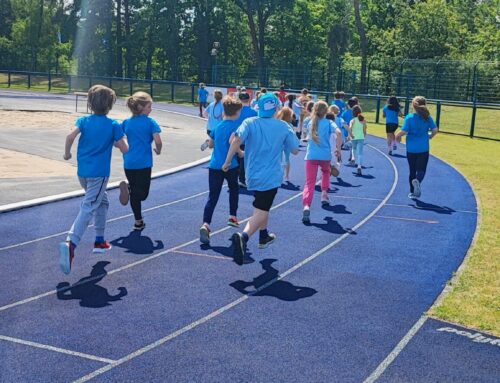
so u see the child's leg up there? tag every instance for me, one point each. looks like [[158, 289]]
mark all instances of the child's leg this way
[[421, 165], [232, 182], [412, 164], [140, 182], [354, 149], [100, 216], [215, 180], [325, 175], [359, 153], [311, 172], [95, 189]]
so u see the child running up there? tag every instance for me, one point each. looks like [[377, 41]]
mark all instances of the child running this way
[[416, 128], [357, 133], [265, 138], [246, 112], [202, 97], [319, 154], [141, 130], [214, 114], [391, 113], [341, 124], [339, 101], [220, 141], [98, 135], [286, 114]]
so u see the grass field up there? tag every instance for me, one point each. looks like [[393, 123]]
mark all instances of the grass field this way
[[474, 299]]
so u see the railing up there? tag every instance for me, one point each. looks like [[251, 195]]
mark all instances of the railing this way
[[473, 119]]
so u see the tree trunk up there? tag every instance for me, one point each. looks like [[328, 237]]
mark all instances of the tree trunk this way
[[119, 39], [34, 45], [128, 45], [363, 43]]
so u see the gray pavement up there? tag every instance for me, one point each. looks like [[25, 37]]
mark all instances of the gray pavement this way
[[182, 135]]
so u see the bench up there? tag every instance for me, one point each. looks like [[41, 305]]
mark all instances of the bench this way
[[80, 94]]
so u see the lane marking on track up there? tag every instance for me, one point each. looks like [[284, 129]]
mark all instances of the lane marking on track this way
[[203, 255], [107, 221], [227, 307], [393, 354], [56, 349], [407, 219]]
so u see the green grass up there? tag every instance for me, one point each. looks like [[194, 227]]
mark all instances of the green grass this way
[[474, 299]]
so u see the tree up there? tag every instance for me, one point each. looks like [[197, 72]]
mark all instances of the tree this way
[[363, 43]]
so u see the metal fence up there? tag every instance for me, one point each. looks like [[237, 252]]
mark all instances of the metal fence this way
[[469, 118]]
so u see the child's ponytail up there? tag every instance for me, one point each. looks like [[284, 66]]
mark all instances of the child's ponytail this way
[[319, 111], [356, 113], [420, 107]]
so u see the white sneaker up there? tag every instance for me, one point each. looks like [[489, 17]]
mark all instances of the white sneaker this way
[[417, 190]]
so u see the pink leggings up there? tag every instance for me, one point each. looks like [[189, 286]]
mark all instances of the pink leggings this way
[[311, 173]]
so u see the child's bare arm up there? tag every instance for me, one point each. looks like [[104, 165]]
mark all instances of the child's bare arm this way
[[211, 143], [235, 146], [70, 138], [365, 127], [158, 143], [122, 144]]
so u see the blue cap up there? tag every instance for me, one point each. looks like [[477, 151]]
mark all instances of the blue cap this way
[[268, 105]]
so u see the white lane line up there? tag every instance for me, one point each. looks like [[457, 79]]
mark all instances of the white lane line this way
[[218, 312], [109, 220], [56, 349], [202, 255], [394, 353], [407, 219]]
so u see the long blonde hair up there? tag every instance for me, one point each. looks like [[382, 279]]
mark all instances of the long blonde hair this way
[[318, 112], [420, 106], [285, 114]]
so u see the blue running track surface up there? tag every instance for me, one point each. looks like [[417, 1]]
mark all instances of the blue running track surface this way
[[340, 300]]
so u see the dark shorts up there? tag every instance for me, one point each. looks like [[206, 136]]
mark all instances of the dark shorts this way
[[391, 128], [264, 199], [203, 104]]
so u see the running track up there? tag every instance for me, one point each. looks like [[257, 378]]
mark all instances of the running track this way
[[343, 299]]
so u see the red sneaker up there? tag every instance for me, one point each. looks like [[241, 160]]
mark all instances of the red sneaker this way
[[101, 247], [233, 222]]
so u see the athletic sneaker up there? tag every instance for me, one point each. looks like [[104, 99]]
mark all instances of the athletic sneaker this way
[[124, 193], [66, 255], [205, 234], [238, 248], [394, 147], [412, 196], [390, 152], [204, 145], [263, 243], [101, 247], [233, 222], [306, 216], [359, 172], [324, 199], [139, 226], [417, 190]]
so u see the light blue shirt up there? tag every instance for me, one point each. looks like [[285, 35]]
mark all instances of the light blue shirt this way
[[417, 129], [202, 95], [391, 116], [139, 130], [321, 150], [265, 140], [221, 135], [214, 114], [98, 134], [246, 112]]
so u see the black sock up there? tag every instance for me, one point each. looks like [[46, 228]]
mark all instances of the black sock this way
[[245, 236], [263, 234]]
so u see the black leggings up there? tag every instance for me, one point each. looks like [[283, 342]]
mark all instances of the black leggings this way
[[216, 178], [139, 181], [418, 166]]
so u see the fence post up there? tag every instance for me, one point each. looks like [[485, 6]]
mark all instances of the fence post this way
[[151, 88], [111, 83], [473, 120], [29, 80], [69, 83], [172, 91], [50, 81], [90, 82], [438, 113], [131, 87], [377, 115], [192, 93], [8, 80]]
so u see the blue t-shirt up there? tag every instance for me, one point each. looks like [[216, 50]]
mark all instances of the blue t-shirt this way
[[340, 103], [221, 135], [347, 116], [139, 130], [214, 114], [340, 124], [246, 112], [321, 150], [202, 95], [417, 129], [265, 140], [391, 116], [98, 134]]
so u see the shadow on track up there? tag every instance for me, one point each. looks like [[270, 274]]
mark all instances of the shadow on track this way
[[88, 291], [137, 243], [282, 290]]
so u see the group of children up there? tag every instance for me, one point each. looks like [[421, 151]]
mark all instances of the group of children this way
[[251, 148]]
